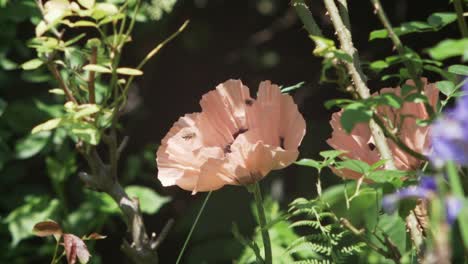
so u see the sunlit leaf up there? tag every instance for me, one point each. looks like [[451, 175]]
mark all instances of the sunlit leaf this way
[[129, 71], [87, 3], [32, 64], [47, 125], [96, 68], [446, 87]]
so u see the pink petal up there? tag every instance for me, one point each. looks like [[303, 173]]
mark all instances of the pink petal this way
[[226, 108]]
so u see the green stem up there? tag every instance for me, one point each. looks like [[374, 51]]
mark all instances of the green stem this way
[[55, 252], [457, 190], [460, 18], [401, 51], [397, 141], [263, 223], [193, 227]]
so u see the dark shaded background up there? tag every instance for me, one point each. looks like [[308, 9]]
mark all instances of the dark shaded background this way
[[252, 41]]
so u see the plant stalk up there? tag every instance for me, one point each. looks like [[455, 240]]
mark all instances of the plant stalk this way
[[263, 222]]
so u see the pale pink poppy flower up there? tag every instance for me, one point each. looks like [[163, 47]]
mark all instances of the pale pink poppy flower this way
[[235, 140], [359, 144]]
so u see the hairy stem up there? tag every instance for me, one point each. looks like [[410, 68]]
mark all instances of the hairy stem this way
[[263, 223], [359, 79]]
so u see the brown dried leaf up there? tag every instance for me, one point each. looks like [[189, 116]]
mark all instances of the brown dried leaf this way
[[94, 236], [47, 228], [75, 248]]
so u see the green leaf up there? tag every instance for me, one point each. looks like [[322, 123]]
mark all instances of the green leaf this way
[[150, 201], [390, 99], [331, 154], [32, 64], [459, 69], [353, 114], [449, 48], [446, 87], [354, 165], [86, 110], [102, 10], [310, 163], [337, 102], [21, 220], [322, 45], [438, 20], [88, 4], [379, 65], [31, 145], [47, 125], [61, 167], [96, 68], [393, 227], [292, 87], [129, 71], [83, 23], [86, 132]]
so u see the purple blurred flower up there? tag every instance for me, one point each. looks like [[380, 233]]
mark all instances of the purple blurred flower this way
[[449, 134], [453, 207], [426, 188]]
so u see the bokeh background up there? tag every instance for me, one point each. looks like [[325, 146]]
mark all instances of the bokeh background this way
[[249, 40]]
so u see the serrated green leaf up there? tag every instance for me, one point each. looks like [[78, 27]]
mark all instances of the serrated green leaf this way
[[150, 201], [129, 71], [310, 163], [438, 20], [102, 10]]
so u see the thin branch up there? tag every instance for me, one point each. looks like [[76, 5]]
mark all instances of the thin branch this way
[[92, 75], [360, 233], [359, 79], [458, 4], [397, 140], [139, 249], [62, 84]]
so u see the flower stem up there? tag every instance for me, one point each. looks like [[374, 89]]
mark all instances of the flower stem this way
[[263, 224], [193, 227], [457, 190]]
